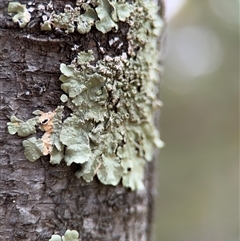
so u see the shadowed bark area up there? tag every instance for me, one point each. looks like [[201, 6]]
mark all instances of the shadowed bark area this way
[[39, 199]]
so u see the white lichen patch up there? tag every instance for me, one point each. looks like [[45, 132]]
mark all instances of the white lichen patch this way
[[70, 235], [110, 131]]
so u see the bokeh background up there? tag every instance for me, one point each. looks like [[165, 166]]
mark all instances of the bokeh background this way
[[198, 177]]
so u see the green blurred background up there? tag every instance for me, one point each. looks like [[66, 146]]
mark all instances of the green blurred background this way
[[198, 177]]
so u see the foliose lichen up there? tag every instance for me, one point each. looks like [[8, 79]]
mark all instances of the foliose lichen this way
[[110, 131], [70, 235], [104, 16], [20, 13]]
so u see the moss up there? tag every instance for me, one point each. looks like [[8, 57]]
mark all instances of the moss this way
[[110, 131]]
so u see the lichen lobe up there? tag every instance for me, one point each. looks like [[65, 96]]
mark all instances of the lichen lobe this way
[[20, 13]]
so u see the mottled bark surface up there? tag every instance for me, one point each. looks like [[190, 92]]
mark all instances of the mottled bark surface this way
[[39, 199]]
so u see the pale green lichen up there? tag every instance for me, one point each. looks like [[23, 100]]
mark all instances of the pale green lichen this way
[[20, 13], [72, 16], [46, 26], [70, 235], [110, 131], [22, 128], [49, 143], [104, 17]]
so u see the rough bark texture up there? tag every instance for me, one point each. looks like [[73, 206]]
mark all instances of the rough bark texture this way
[[39, 199]]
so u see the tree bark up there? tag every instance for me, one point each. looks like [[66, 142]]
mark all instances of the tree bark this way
[[39, 199]]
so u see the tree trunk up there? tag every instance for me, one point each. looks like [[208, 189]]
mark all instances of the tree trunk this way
[[38, 199]]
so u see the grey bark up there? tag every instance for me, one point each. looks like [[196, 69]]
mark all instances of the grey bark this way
[[39, 199]]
